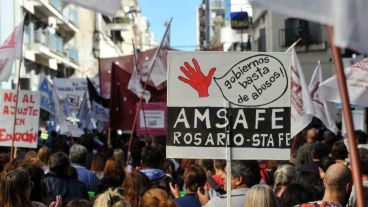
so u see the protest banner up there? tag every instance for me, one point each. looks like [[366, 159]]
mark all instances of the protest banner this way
[[26, 123], [152, 119], [218, 100]]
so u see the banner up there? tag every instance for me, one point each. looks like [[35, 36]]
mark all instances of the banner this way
[[218, 100], [356, 81], [26, 123], [152, 119]]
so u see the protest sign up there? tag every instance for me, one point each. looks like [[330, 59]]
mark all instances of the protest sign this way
[[218, 100], [26, 123], [152, 119]]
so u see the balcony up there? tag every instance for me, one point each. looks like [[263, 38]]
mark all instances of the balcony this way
[[120, 24], [57, 4], [311, 37], [73, 54]]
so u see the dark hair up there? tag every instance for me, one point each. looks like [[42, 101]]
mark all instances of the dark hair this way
[[59, 163], [152, 157], [207, 166], [339, 151], [311, 181], [294, 194], [194, 178], [113, 168], [326, 162], [320, 150], [361, 136], [364, 160], [79, 203], [14, 185], [39, 190], [248, 170], [219, 164]]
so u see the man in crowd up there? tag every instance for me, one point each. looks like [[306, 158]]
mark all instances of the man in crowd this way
[[244, 175], [337, 183], [78, 158]]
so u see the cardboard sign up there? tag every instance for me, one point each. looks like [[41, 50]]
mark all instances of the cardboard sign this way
[[220, 99], [152, 119], [26, 123]]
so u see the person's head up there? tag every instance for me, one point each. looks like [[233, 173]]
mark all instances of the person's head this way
[[79, 203], [260, 195], [4, 158], [39, 190], [15, 188], [324, 163], [312, 182], [43, 155], [194, 178], [169, 167], [339, 151], [320, 150], [219, 165], [156, 197], [293, 195], [338, 181], [111, 198], [114, 169], [134, 183], [207, 166], [152, 157], [98, 163], [59, 163], [361, 136], [284, 175], [311, 134], [244, 174], [78, 154], [120, 156], [31, 157], [363, 160]]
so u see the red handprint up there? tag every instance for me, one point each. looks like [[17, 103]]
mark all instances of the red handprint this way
[[196, 78]]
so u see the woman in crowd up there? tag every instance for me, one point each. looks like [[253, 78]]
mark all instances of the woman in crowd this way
[[15, 189], [113, 176], [60, 182], [260, 195], [43, 158], [284, 175], [98, 164], [194, 179], [293, 195], [111, 198], [156, 197], [133, 186]]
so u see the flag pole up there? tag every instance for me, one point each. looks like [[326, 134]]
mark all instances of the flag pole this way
[[145, 86], [354, 155], [13, 149]]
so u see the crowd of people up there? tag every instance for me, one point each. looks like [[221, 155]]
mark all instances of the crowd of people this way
[[93, 171]]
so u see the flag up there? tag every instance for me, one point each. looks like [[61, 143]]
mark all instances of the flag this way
[[301, 102], [123, 101], [356, 81], [158, 64], [94, 96], [135, 84], [324, 110], [99, 112], [84, 114], [46, 95], [10, 50], [105, 7], [350, 29]]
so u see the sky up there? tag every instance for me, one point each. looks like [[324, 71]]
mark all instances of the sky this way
[[183, 26]]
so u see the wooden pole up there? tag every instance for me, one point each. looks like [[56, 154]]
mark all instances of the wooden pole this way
[[354, 155]]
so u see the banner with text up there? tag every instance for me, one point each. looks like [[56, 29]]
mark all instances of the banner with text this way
[[221, 99], [26, 122], [152, 119]]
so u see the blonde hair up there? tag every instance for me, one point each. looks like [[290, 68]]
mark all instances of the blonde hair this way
[[260, 195], [284, 175], [111, 198], [156, 197]]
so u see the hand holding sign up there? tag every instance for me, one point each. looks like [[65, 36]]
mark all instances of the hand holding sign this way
[[196, 78]]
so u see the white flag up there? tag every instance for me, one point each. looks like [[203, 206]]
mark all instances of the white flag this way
[[324, 110], [348, 17], [356, 81], [301, 102], [158, 64], [100, 113], [135, 84], [10, 50], [106, 7]]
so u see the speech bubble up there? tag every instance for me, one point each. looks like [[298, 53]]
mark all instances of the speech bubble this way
[[255, 81]]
